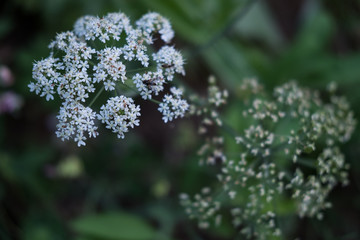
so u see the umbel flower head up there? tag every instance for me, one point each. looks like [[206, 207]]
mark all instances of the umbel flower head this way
[[106, 54], [286, 152]]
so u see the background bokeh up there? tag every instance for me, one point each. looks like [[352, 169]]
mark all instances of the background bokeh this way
[[54, 190]]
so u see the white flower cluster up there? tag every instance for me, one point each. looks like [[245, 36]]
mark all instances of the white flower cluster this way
[[170, 61], [150, 83], [173, 106], [203, 207], [215, 95], [208, 108], [119, 114], [89, 57], [46, 72], [212, 151], [288, 152], [153, 22], [75, 120], [112, 25], [109, 69]]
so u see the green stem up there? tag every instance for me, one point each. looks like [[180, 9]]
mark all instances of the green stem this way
[[91, 62], [307, 162], [96, 96], [141, 69], [154, 101]]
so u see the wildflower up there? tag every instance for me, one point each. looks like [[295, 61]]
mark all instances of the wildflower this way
[[173, 106], [76, 67], [170, 61], [153, 22], [271, 159], [119, 114], [76, 122], [150, 83]]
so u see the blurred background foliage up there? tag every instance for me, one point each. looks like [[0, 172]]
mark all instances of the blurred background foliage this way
[[128, 189]]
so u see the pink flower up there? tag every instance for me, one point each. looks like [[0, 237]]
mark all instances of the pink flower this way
[[6, 76], [10, 102]]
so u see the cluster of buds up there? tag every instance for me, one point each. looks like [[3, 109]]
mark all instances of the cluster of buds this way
[[207, 107], [98, 54], [288, 152]]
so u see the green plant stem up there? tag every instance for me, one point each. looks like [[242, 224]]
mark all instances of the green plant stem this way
[[96, 96], [91, 62], [154, 101], [307, 162], [141, 69]]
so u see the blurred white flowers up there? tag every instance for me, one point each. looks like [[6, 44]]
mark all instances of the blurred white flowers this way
[[288, 152]]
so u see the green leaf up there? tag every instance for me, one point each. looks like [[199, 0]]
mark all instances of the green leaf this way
[[258, 24], [38, 232], [226, 58], [196, 21], [113, 225]]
